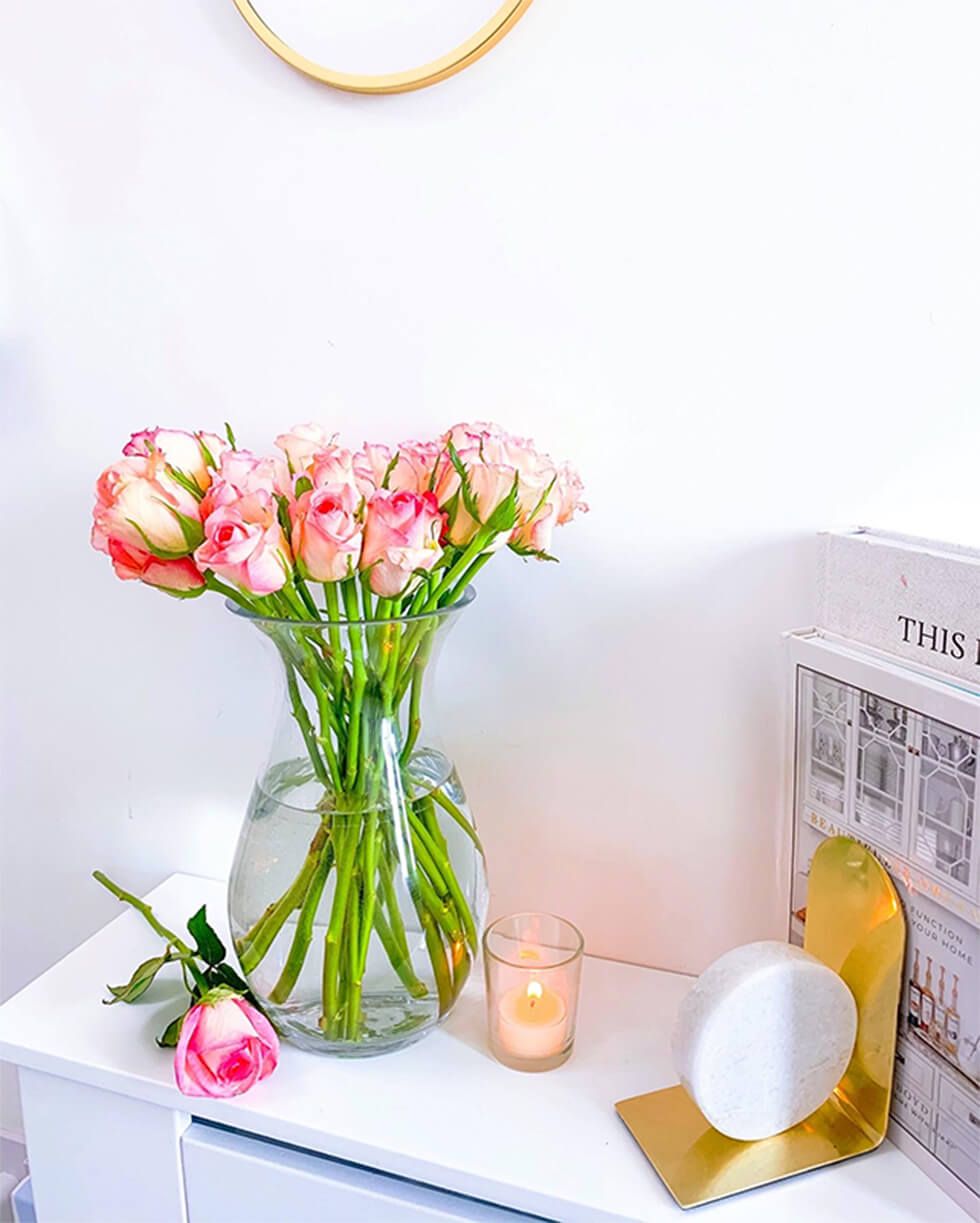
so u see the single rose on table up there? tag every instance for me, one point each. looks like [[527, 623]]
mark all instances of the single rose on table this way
[[223, 1044], [226, 1046]]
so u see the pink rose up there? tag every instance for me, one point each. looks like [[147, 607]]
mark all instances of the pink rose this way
[[331, 466], [226, 1046], [490, 483], [473, 435], [548, 494], [241, 472], [139, 503], [327, 532], [477, 442], [244, 544], [131, 564], [302, 443], [549, 497], [401, 535], [570, 489], [370, 464], [408, 469], [191, 453]]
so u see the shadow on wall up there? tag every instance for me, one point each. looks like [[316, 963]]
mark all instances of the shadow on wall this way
[[642, 745]]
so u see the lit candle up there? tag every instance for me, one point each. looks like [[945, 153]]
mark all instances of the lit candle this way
[[531, 1022], [533, 966]]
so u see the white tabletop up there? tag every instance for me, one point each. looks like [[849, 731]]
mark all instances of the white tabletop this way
[[443, 1111]]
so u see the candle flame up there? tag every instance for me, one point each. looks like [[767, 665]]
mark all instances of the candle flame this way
[[534, 991]]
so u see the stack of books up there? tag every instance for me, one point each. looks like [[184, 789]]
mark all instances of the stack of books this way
[[884, 746]]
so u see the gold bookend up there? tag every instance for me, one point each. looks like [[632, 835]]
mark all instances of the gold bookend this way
[[855, 924]]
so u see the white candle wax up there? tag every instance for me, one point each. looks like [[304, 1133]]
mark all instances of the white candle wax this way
[[531, 1022]]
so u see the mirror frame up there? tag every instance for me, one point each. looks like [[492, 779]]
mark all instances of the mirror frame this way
[[468, 52]]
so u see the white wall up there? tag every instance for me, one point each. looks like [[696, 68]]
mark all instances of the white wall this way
[[726, 256]]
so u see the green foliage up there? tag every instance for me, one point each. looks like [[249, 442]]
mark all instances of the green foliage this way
[[139, 982], [190, 528], [195, 592], [186, 482], [224, 974], [389, 469], [527, 553], [208, 946], [206, 454], [162, 554], [503, 518], [465, 487], [171, 1033]]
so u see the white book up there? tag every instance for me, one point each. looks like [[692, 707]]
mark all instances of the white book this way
[[917, 599]]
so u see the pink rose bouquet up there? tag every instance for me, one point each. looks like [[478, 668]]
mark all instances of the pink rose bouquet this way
[[346, 558]]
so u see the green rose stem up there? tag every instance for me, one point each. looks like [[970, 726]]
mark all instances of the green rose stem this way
[[253, 946], [333, 633], [437, 956], [347, 760], [185, 953], [441, 869], [305, 726], [345, 849], [398, 956], [304, 929], [456, 815], [418, 665], [352, 1008], [360, 682]]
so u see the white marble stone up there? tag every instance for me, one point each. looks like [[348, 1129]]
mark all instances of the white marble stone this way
[[763, 1038]]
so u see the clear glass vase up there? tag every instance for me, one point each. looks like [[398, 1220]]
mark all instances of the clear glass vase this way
[[358, 892]]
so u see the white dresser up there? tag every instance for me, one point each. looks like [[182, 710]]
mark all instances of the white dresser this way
[[438, 1131]]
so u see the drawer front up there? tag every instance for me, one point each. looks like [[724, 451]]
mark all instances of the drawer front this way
[[234, 1178]]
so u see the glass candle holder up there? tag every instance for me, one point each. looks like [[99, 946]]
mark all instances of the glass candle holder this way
[[533, 965]]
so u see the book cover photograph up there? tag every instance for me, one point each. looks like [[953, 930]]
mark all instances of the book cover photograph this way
[[905, 782]]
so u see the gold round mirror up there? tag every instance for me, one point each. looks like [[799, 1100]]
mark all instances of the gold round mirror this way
[[367, 43]]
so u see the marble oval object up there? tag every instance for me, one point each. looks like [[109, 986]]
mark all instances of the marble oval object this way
[[763, 1038]]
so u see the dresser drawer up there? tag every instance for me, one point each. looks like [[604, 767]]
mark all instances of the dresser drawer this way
[[231, 1177]]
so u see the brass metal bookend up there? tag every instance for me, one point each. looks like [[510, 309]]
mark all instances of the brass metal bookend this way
[[855, 924]]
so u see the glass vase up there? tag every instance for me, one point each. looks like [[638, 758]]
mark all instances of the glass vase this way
[[358, 891]]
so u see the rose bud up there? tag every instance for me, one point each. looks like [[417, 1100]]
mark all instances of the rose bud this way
[[226, 1046], [140, 504], [303, 443], [244, 544], [178, 577], [326, 535], [401, 536], [194, 454]]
